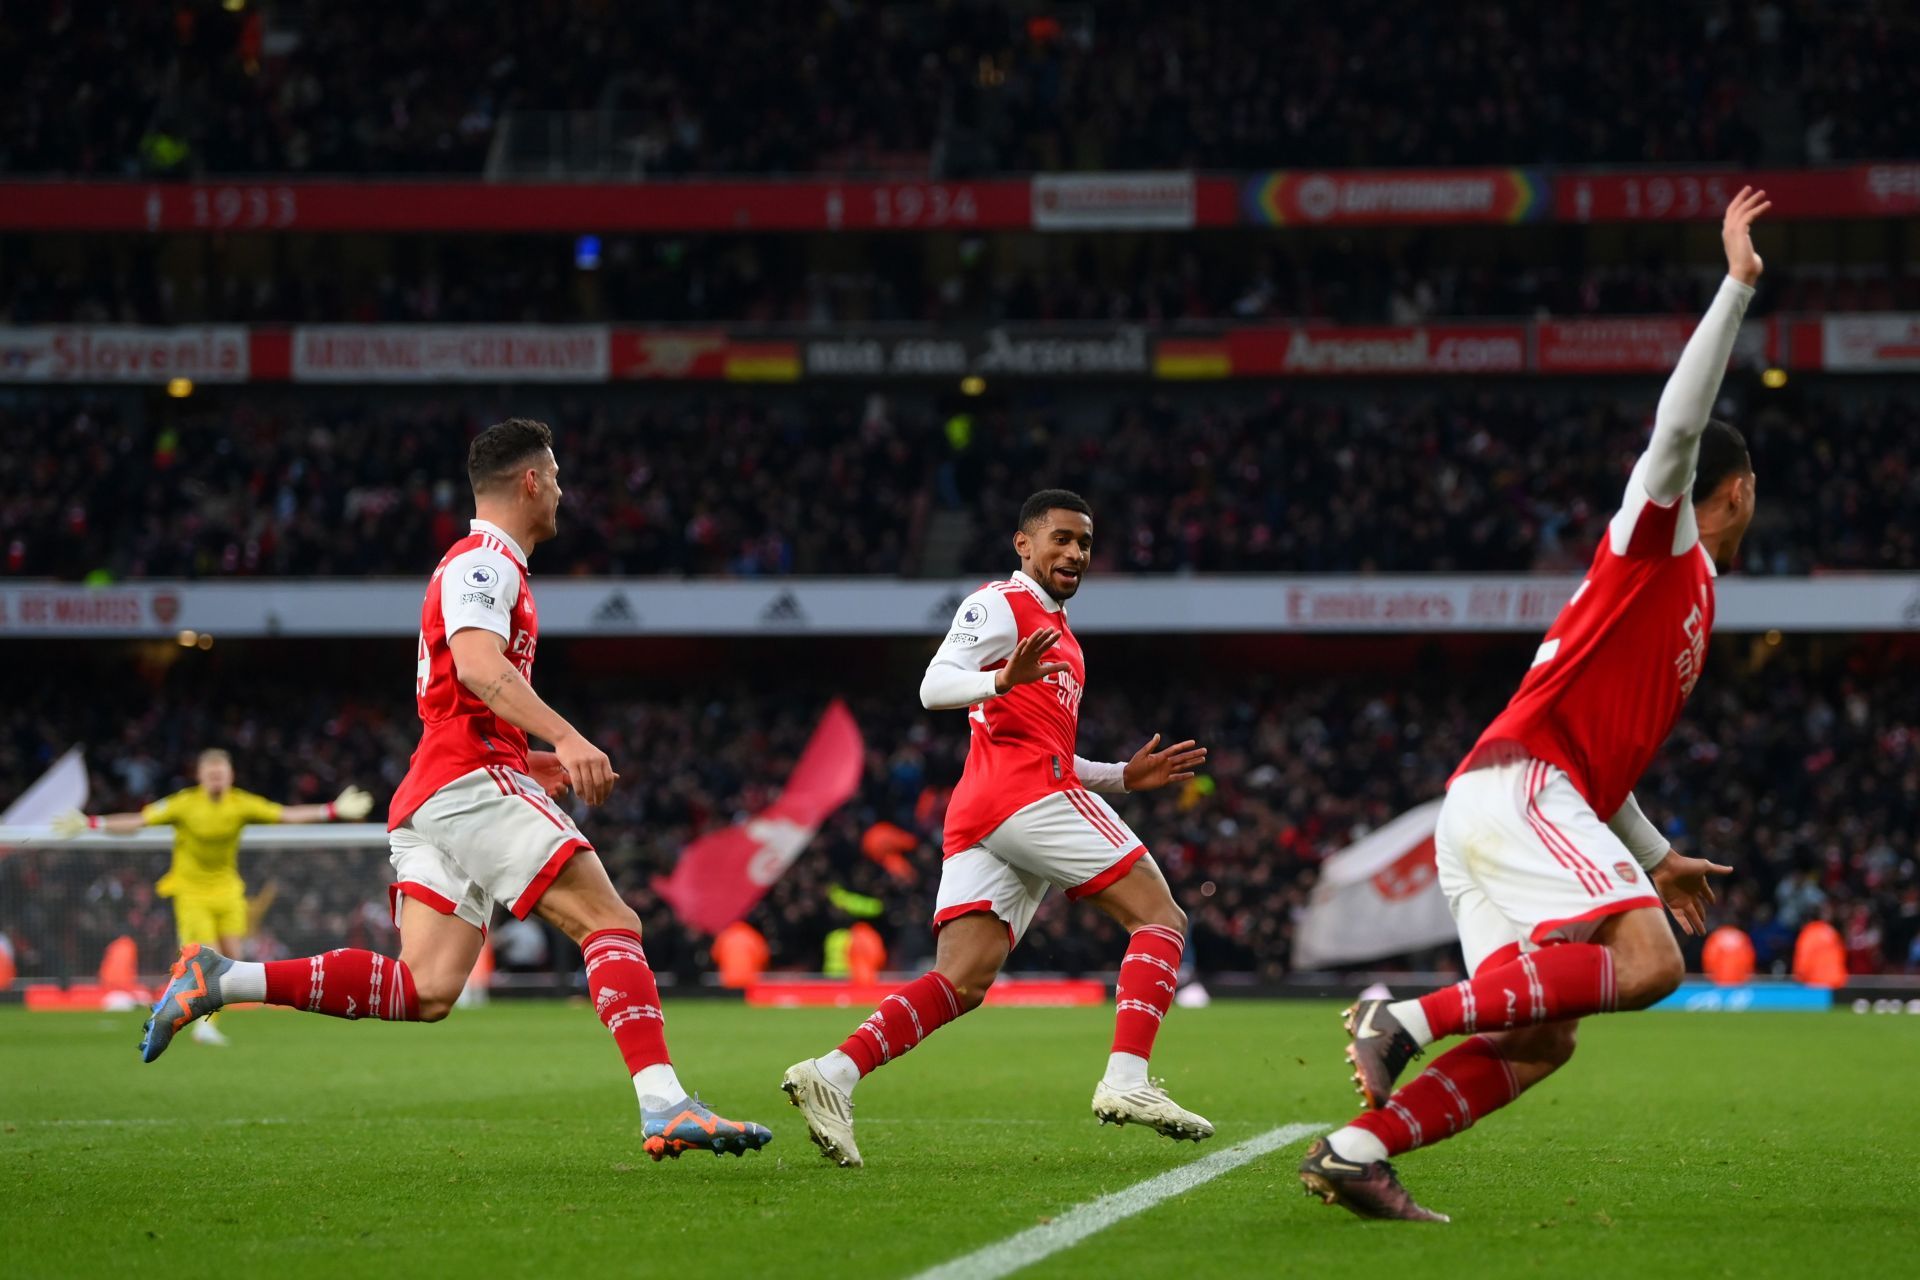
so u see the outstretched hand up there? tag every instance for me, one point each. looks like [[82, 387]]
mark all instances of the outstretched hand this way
[[1682, 884], [1151, 768], [1027, 664], [1736, 233]]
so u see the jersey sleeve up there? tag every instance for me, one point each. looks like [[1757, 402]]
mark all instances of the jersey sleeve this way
[[983, 634], [161, 812], [1095, 775], [1636, 831], [479, 588], [259, 808]]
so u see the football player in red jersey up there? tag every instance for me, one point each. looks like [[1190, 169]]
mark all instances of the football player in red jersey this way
[[474, 822], [1555, 878], [1026, 818]]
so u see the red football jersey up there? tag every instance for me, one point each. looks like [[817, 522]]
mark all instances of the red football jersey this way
[[1023, 741], [481, 582], [1607, 684]]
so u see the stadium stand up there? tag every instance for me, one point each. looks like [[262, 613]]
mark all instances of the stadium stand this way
[[95, 87], [260, 483], [1796, 765]]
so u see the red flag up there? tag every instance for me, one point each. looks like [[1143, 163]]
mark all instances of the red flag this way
[[721, 875]]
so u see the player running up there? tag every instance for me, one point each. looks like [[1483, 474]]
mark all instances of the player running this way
[[1021, 822], [203, 881], [1541, 847], [473, 823]]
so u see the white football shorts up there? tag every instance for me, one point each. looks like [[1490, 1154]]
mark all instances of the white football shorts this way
[[1525, 862], [488, 836], [1071, 839]]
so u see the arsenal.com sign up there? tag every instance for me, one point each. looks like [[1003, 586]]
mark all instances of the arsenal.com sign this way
[[1334, 349]]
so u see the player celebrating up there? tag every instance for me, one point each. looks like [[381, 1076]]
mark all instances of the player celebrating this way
[[1541, 846], [209, 898], [471, 826], [1021, 822]]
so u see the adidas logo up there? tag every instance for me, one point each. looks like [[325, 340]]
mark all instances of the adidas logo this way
[[784, 608], [945, 608], [615, 609]]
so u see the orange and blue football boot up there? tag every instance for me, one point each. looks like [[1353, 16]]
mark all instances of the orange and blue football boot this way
[[193, 991], [691, 1125]]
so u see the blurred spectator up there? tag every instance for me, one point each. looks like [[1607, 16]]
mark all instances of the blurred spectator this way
[[1299, 768], [263, 483], [792, 284], [302, 86]]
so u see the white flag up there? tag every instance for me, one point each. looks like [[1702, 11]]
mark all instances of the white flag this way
[[59, 789], [1379, 896]]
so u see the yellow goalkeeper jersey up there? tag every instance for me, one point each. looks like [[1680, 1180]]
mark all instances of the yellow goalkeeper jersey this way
[[206, 839]]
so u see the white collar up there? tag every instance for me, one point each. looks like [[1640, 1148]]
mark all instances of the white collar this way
[[493, 530], [1040, 593]]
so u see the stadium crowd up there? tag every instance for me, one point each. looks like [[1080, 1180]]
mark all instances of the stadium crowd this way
[[299, 86], [273, 484], [780, 284], [1301, 765]]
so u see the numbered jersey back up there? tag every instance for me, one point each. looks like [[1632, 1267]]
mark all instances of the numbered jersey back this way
[[1608, 682], [480, 583]]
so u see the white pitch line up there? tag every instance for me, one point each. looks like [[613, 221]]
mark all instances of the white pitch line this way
[[1076, 1224]]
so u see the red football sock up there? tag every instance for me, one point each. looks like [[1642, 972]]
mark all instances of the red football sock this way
[[902, 1021], [1144, 992], [626, 996], [1568, 980], [1463, 1084], [347, 983]]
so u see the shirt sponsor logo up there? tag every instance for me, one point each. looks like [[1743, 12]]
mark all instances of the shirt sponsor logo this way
[[481, 575], [963, 637], [479, 597]]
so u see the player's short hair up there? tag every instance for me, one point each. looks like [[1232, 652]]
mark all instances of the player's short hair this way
[[1035, 509], [214, 755], [1723, 453], [504, 448]]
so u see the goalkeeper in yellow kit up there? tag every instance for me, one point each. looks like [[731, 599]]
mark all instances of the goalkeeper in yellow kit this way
[[209, 898]]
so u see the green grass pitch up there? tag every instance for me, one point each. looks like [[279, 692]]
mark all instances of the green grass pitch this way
[[504, 1142]]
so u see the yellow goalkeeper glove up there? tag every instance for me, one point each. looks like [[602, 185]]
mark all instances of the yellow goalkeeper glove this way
[[70, 824], [352, 804]]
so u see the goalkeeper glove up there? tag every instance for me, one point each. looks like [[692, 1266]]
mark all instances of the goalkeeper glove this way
[[352, 804], [71, 823]]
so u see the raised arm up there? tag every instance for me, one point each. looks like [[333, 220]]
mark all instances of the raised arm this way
[[1666, 469]]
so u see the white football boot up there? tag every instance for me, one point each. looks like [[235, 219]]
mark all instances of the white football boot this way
[[1149, 1104], [827, 1110]]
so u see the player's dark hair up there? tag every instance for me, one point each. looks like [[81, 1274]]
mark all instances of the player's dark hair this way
[[1723, 453], [505, 447], [1035, 509]]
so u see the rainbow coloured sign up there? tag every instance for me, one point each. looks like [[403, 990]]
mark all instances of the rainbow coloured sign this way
[[1362, 197]]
